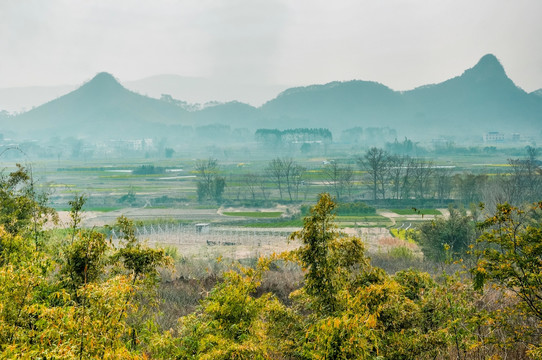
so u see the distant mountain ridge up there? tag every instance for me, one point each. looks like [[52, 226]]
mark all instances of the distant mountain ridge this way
[[481, 99]]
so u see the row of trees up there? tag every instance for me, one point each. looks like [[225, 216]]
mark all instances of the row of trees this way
[[386, 176], [404, 177]]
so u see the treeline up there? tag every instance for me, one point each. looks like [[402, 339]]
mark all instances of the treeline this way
[[387, 179], [402, 177]]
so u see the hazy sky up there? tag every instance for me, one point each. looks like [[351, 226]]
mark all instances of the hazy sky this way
[[400, 43]]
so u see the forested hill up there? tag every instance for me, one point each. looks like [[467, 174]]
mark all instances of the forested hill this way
[[482, 99]]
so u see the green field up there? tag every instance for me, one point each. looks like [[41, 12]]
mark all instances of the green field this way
[[368, 218], [254, 214], [277, 224]]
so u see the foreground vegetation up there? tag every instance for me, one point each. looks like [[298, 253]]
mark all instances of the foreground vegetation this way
[[81, 296]]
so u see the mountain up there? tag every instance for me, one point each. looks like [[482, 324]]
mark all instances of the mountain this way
[[334, 105], [481, 99], [195, 90], [100, 108]]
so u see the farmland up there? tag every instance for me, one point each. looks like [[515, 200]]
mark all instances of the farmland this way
[[164, 191]]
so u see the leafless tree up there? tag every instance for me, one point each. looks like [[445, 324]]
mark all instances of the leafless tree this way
[[422, 172], [469, 187], [275, 169], [376, 163], [287, 175], [251, 181], [340, 178], [396, 173], [443, 183], [294, 174]]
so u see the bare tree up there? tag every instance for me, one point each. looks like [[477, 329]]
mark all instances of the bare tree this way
[[262, 184], [469, 187], [275, 169], [407, 179], [396, 173], [376, 163], [251, 181], [293, 174], [443, 183], [422, 172], [339, 178], [209, 185]]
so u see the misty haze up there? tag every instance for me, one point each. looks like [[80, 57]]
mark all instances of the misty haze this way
[[271, 180]]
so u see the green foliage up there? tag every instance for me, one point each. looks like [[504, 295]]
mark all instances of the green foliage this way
[[254, 214], [81, 297], [76, 305], [347, 208], [229, 324], [414, 283], [139, 260], [403, 234], [402, 253], [355, 208], [447, 239], [326, 256], [513, 256], [85, 259], [23, 210], [168, 152], [355, 310]]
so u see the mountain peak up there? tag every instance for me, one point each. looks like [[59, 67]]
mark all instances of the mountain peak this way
[[103, 83], [489, 61], [488, 67], [104, 79]]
